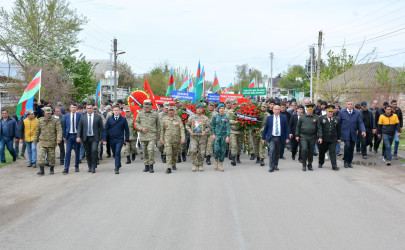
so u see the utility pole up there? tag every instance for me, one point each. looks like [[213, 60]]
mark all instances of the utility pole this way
[[115, 69], [271, 74], [311, 51], [318, 66], [110, 79]]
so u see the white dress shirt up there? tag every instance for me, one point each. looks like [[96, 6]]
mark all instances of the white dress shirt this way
[[276, 119], [72, 128]]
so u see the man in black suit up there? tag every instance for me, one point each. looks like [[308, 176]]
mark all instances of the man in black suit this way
[[90, 131], [116, 126], [292, 127]]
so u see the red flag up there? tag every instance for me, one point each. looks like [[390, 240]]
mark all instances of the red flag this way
[[150, 93]]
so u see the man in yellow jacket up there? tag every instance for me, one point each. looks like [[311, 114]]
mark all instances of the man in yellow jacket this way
[[27, 131], [388, 124]]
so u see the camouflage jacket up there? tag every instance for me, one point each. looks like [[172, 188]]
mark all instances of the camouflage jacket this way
[[150, 121], [133, 134], [172, 130], [48, 131]]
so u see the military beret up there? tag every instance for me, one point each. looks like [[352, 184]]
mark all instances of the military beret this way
[[47, 110], [199, 106], [221, 105], [147, 103]]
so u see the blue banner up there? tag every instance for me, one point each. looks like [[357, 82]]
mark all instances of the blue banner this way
[[213, 97], [187, 96]]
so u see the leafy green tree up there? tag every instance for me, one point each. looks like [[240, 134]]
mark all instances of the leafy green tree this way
[[126, 75], [295, 79], [38, 31], [244, 76]]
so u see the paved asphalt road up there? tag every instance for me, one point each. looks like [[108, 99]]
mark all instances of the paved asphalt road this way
[[245, 207]]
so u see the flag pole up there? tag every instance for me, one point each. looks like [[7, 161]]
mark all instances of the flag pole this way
[[40, 84]]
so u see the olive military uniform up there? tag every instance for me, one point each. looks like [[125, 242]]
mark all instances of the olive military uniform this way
[[221, 129], [130, 148], [198, 142], [330, 136], [210, 142], [308, 127], [172, 132]]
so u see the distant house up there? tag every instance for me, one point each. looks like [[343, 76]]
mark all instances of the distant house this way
[[9, 75], [276, 90]]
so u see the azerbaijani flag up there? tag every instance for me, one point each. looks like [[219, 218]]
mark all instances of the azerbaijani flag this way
[[252, 83], [190, 87], [27, 98], [227, 88], [198, 71], [170, 87], [185, 84], [198, 88], [203, 78], [215, 86], [98, 95]]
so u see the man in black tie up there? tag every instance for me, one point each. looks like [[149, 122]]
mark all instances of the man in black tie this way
[[71, 122], [90, 131], [116, 126]]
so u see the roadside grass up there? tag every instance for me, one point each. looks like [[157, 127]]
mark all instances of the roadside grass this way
[[9, 158]]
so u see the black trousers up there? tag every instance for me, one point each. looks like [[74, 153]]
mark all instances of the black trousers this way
[[295, 147], [349, 150], [274, 150], [90, 146], [323, 148], [62, 151], [307, 147]]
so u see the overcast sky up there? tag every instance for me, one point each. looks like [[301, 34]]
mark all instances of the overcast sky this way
[[223, 34]]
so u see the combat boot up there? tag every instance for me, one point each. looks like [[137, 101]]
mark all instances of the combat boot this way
[[133, 157], [51, 170], [174, 167], [233, 162], [164, 158], [146, 168], [310, 167], [252, 157], [200, 168], [194, 168], [178, 158], [258, 160], [128, 160], [216, 164], [184, 156], [238, 159], [221, 167], [208, 159], [304, 167], [168, 171], [41, 170], [151, 169], [262, 162]]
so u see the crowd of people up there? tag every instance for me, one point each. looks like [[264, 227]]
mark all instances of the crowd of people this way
[[304, 128]]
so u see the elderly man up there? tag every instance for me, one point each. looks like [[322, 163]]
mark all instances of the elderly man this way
[[350, 124]]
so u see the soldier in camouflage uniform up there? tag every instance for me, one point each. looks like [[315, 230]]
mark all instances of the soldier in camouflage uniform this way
[[220, 130], [162, 116], [260, 148], [210, 141], [198, 140], [130, 147], [172, 135], [148, 124], [236, 137], [229, 112], [49, 134], [183, 149]]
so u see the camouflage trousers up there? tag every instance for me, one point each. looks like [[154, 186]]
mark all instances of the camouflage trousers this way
[[161, 147], [148, 149], [251, 138], [171, 151], [198, 144], [235, 146], [260, 148], [130, 148], [220, 147], [42, 151], [210, 145]]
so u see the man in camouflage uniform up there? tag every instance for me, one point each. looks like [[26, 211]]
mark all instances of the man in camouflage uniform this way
[[259, 147], [148, 124], [210, 141], [162, 116], [198, 140], [49, 134], [183, 149], [130, 147], [171, 135], [220, 130], [236, 136]]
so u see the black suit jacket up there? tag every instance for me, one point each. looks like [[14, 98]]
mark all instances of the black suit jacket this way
[[97, 127], [293, 124]]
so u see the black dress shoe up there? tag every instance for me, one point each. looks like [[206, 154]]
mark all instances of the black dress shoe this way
[[271, 169], [346, 165], [108, 156], [300, 160], [174, 168], [119, 166], [168, 171], [117, 172], [365, 157], [304, 168], [293, 157], [320, 166], [76, 170], [89, 170], [336, 168], [315, 154], [65, 171], [310, 168], [282, 158], [349, 165], [93, 170], [276, 168]]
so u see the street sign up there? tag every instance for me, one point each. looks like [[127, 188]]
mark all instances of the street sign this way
[[223, 97], [254, 91], [163, 99], [302, 96], [213, 97], [188, 96]]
